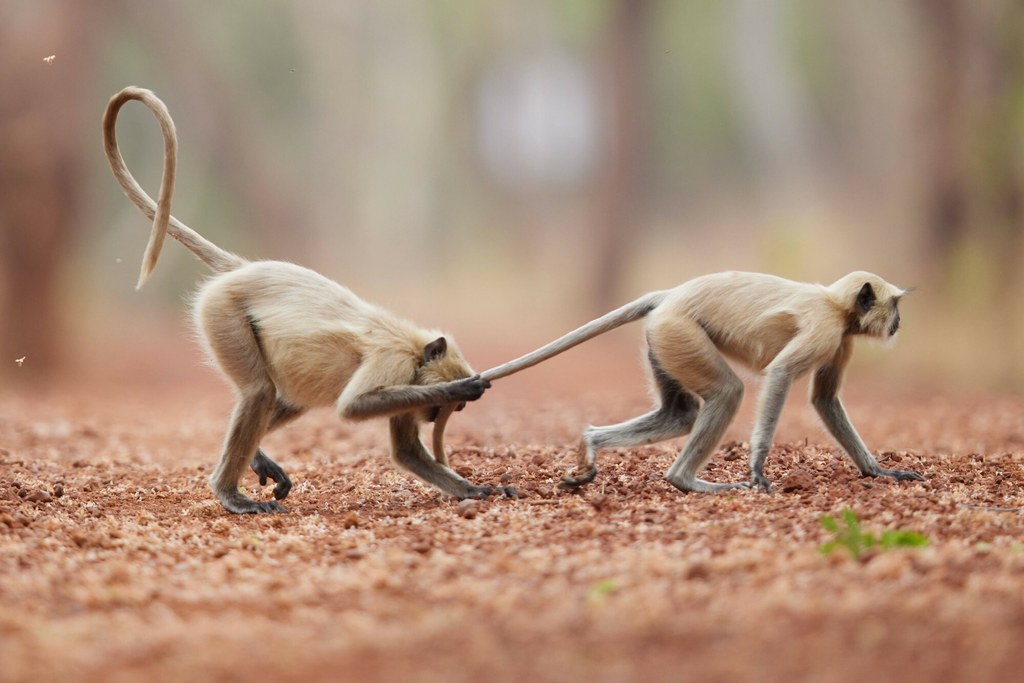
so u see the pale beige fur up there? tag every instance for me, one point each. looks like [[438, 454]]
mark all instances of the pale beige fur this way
[[290, 339], [780, 328]]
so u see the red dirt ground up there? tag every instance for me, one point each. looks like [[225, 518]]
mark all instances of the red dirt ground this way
[[116, 564]]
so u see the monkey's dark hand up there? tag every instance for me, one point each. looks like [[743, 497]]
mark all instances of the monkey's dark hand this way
[[469, 389], [759, 482], [265, 468], [899, 475]]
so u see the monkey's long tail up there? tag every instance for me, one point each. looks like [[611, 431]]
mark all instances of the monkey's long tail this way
[[160, 211], [607, 322]]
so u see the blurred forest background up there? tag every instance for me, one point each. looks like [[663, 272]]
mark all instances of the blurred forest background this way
[[506, 169]]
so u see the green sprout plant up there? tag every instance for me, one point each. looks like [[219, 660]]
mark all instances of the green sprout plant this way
[[847, 533]]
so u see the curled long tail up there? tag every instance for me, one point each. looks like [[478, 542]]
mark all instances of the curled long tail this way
[[607, 322], [159, 211]]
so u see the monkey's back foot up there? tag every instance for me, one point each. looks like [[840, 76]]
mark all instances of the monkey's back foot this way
[[484, 492], [265, 469], [241, 504], [899, 475], [700, 486], [573, 482]]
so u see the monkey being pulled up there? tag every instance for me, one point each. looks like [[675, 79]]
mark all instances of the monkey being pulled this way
[[779, 327], [289, 339]]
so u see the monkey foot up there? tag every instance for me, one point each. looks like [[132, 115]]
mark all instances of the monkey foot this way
[[265, 469], [243, 505], [484, 492], [701, 486], [570, 483], [900, 475], [759, 482]]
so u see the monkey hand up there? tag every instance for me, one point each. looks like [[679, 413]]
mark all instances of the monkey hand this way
[[265, 468], [469, 389], [759, 482], [899, 475]]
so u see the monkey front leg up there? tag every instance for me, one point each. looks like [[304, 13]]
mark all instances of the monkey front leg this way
[[409, 453], [833, 414], [394, 400], [772, 398]]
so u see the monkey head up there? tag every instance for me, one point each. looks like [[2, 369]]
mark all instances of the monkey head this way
[[441, 362], [871, 304]]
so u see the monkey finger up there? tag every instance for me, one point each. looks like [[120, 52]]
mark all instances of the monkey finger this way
[[266, 469], [902, 475], [469, 389], [283, 488], [570, 483]]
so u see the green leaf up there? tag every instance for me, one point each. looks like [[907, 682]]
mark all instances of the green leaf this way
[[603, 588], [903, 539], [852, 523]]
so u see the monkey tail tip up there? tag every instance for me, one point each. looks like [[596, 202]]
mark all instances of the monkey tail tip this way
[[149, 258], [143, 277]]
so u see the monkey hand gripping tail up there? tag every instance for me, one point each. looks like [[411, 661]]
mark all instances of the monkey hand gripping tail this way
[[781, 328], [289, 339]]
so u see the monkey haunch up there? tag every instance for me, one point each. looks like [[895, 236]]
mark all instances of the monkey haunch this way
[[781, 328], [290, 339]]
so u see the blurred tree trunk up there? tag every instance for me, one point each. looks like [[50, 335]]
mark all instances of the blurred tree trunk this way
[[975, 165], [621, 173], [250, 161], [944, 173], [41, 167], [997, 158]]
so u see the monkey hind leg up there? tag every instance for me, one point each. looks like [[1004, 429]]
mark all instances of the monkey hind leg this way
[[247, 426], [674, 418], [714, 417], [682, 351], [262, 465], [233, 341]]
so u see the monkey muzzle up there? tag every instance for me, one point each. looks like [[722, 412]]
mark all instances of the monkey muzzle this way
[[894, 326]]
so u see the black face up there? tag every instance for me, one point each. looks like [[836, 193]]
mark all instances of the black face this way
[[895, 324]]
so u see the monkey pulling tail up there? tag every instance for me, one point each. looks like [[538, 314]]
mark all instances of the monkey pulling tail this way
[[632, 311]]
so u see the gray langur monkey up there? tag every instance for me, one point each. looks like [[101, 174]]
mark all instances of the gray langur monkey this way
[[290, 339], [781, 328]]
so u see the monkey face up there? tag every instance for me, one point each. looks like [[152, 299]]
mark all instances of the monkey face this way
[[872, 304]]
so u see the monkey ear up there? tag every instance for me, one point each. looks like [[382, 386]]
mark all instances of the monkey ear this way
[[866, 298], [435, 349]]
